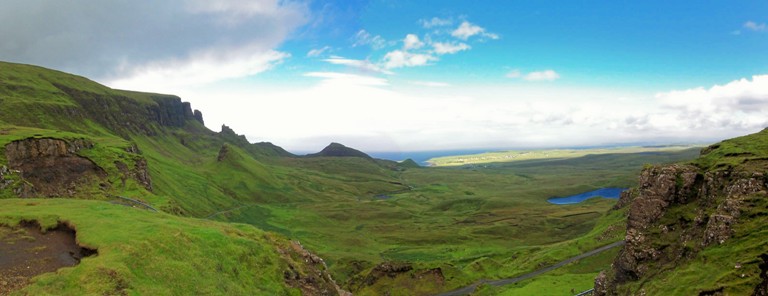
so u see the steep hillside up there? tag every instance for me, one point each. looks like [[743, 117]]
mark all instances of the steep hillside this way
[[66, 136], [381, 226], [150, 147], [698, 228]]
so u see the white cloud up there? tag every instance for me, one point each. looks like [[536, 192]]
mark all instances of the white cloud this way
[[514, 74], [233, 12], [741, 102], [363, 38], [435, 22], [402, 58], [430, 83], [467, 29], [348, 79], [338, 108], [363, 65], [449, 47], [201, 67], [546, 75], [318, 51], [755, 26], [412, 41], [97, 39]]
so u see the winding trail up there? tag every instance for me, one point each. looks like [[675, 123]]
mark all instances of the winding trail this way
[[227, 210], [146, 206], [502, 282]]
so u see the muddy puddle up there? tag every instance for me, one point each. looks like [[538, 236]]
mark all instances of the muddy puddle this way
[[25, 251]]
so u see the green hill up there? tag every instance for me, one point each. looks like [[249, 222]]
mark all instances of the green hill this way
[[380, 226], [66, 136], [339, 150]]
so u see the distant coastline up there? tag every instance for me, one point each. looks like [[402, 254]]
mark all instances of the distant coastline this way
[[421, 157]]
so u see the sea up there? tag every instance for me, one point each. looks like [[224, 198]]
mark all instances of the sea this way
[[421, 157]]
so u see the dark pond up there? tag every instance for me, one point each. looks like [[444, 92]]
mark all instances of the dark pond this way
[[602, 192]]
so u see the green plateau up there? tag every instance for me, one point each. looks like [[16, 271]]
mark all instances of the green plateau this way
[[172, 207]]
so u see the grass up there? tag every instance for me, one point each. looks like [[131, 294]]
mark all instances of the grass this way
[[491, 222], [746, 152], [472, 222], [147, 253], [548, 154]]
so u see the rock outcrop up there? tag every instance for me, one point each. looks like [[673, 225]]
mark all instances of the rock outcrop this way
[[762, 288], [123, 114], [310, 275], [257, 150], [51, 167], [675, 212], [139, 172]]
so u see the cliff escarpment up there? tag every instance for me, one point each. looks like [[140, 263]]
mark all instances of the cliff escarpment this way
[[51, 167], [706, 215], [121, 113], [56, 167]]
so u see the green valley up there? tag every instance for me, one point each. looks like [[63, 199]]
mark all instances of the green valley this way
[[240, 218]]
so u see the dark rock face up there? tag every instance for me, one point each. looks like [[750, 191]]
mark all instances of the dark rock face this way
[[171, 111], [393, 270], [601, 284], [387, 269], [625, 198], [223, 152], [706, 206], [199, 116], [125, 114], [51, 166], [659, 188], [139, 172], [762, 287], [311, 274], [255, 149]]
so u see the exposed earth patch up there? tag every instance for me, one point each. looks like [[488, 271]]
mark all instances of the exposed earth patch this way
[[26, 251]]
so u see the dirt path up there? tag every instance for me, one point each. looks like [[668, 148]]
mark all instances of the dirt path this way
[[502, 282]]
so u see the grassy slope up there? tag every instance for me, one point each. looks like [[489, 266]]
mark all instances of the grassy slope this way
[[147, 253], [473, 223]]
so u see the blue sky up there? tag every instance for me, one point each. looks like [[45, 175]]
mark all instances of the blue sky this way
[[392, 75]]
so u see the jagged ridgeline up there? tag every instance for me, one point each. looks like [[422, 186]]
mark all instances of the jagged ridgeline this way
[[699, 228], [134, 172], [65, 136]]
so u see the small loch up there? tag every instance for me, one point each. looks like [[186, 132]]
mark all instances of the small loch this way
[[609, 192]]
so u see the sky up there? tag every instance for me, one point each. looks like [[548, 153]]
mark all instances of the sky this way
[[392, 75]]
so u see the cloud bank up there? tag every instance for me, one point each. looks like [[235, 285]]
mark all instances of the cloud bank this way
[[142, 39]]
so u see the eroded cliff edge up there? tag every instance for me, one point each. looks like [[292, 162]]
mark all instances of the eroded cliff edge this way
[[708, 215]]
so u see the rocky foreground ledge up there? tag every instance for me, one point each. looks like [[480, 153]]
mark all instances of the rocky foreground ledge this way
[[678, 211]]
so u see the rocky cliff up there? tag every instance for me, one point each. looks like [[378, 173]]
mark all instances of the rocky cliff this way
[[679, 212], [257, 150], [51, 167], [54, 167], [122, 114]]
